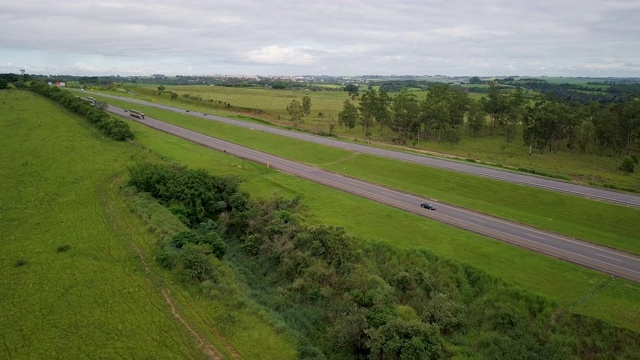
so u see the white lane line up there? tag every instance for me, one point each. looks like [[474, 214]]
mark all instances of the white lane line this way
[[609, 257], [537, 237]]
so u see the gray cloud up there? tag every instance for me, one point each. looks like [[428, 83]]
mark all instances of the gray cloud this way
[[348, 37]]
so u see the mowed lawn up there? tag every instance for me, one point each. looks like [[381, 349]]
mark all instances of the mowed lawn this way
[[72, 283]]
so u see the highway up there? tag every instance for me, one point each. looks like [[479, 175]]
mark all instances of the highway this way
[[599, 194], [607, 260]]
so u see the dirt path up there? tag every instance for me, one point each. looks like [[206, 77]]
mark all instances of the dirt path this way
[[206, 346]]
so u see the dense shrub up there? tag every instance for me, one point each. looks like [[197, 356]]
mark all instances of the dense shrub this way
[[628, 164], [194, 195]]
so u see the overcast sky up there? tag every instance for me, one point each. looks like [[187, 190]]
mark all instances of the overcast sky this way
[[347, 37]]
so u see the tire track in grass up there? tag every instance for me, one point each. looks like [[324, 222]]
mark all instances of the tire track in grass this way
[[208, 348]]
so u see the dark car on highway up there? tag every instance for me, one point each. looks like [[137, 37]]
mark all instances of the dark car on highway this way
[[428, 206]]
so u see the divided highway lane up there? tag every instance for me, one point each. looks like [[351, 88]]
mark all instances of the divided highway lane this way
[[606, 260], [503, 175]]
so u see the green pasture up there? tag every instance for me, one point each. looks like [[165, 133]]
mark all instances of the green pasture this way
[[273, 102], [74, 283], [598, 222], [574, 288]]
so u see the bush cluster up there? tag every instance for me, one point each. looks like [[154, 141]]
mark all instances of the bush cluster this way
[[193, 195], [189, 250]]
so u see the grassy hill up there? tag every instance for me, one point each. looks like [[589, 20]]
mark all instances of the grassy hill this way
[[77, 278]]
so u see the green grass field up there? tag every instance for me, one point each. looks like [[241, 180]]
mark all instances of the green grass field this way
[[78, 279], [601, 223]]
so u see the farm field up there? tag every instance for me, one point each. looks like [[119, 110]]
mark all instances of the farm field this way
[[602, 223], [567, 284], [586, 168], [78, 279]]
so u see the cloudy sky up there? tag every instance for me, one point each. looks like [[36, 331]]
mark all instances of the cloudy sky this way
[[330, 37]]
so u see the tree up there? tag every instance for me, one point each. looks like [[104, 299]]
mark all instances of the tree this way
[[628, 164], [505, 109], [451, 136], [476, 117], [586, 134], [306, 105], [352, 89], [368, 107], [628, 119], [606, 129], [296, 112], [399, 339], [383, 115], [475, 80], [546, 123], [404, 115], [161, 89], [349, 115]]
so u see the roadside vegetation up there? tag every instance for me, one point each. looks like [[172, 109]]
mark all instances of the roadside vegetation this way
[[507, 124], [601, 223], [114, 128], [344, 298]]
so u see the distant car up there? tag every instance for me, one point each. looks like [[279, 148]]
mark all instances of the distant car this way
[[428, 206]]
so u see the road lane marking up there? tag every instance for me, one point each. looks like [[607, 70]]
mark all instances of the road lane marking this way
[[537, 237], [609, 257]]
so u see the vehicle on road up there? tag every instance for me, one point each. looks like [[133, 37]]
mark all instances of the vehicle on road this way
[[136, 113], [429, 206]]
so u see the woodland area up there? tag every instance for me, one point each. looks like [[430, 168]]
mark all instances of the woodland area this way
[[546, 121]]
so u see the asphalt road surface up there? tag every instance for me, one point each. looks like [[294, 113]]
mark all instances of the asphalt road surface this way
[[458, 166], [596, 257]]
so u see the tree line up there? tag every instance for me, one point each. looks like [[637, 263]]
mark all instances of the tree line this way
[[344, 298], [114, 128], [545, 122]]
